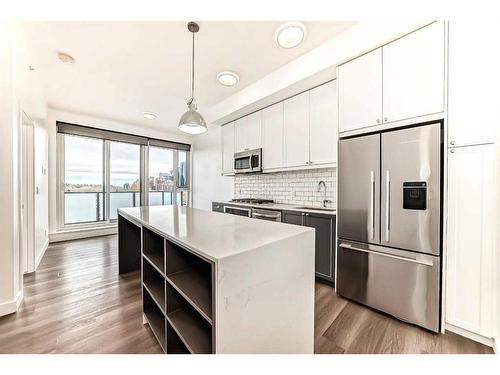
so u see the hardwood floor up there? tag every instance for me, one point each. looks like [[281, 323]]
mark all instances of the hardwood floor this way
[[77, 303]]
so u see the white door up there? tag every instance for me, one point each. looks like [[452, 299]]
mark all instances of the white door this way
[[471, 230], [296, 130], [272, 136], [227, 148], [360, 91], [254, 128], [473, 114], [323, 129], [241, 135], [413, 77]]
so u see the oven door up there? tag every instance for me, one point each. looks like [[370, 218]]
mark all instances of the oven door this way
[[240, 211], [268, 215]]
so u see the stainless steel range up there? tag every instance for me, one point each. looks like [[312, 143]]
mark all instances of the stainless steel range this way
[[389, 222]]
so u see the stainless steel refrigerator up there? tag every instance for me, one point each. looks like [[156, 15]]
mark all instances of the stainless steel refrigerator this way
[[389, 222]]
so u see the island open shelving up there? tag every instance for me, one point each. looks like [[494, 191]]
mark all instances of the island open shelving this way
[[177, 295], [216, 283]]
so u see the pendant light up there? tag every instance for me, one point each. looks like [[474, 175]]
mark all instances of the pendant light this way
[[192, 121]]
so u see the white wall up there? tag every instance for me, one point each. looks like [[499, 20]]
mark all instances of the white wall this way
[[42, 196], [208, 184], [54, 115], [10, 273]]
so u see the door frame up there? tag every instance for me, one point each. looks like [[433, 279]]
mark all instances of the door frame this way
[[27, 198]]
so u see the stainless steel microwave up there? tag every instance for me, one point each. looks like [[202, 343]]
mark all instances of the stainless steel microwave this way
[[248, 161]]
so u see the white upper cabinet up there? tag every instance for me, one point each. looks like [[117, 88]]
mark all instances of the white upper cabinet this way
[[472, 226], [473, 112], [248, 132], [227, 148], [360, 91], [323, 124], [254, 127], [272, 136], [413, 74], [241, 135], [296, 130]]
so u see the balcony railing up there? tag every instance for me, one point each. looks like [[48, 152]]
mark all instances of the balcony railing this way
[[88, 207]]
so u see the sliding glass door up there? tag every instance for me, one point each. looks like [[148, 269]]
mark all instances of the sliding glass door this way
[[161, 176], [124, 176], [83, 180]]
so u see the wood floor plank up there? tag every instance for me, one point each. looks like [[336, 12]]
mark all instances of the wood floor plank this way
[[77, 303]]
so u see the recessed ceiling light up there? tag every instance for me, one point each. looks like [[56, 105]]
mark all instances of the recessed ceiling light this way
[[150, 115], [65, 58], [290, 34], [228, 78]]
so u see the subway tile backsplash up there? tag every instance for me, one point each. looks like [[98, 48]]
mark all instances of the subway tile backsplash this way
[[291, 187]]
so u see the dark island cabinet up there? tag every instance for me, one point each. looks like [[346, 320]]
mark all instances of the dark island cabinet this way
[[324, 225]]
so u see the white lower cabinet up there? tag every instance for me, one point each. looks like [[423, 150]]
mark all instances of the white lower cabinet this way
[[228, 148], [472, 255]]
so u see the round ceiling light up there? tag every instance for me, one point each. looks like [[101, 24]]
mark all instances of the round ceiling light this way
[[150, 115], [290, 34], [65, 58], [228, 78]]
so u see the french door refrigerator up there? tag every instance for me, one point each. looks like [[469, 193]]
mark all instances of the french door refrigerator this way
[[389, 222]]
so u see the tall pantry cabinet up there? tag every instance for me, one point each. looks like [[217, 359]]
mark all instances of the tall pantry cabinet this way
[[472, 267]]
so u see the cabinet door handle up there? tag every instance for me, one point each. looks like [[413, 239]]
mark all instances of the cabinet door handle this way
[[386, 119], [452, 143], [378, 121], [452, 151]]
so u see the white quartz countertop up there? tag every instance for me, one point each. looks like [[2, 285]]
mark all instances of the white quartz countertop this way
[[281, 207], [213, 235]]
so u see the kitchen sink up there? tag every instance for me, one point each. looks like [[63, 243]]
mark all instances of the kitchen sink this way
[[315, 208]]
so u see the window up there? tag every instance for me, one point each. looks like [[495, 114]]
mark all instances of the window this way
[[161, 176], [102, 171], [124, 176], [83, 180]]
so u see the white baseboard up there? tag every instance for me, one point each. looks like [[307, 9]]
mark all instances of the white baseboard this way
[[10, 307], [42, 253], [488, 341], [75, 234]]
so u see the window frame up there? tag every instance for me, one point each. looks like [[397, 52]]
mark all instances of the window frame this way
[[144, 177]]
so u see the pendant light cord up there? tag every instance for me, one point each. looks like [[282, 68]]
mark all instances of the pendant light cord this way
[[192, 73]]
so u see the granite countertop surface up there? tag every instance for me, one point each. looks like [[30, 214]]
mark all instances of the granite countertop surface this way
[[281, 207], [213, 235]]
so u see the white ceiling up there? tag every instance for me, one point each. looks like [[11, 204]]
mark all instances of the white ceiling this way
[[124, 68]]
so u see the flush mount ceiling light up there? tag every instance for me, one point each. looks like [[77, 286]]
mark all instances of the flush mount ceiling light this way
[[65, 58], [228, 78], [192, 121], [290, 34], [150, 115]]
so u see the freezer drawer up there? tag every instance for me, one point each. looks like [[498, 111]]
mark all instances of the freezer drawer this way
[[401, 283]]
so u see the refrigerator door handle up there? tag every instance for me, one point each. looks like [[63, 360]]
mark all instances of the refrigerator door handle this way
[[387, 205], [411, 260], [372, 201]]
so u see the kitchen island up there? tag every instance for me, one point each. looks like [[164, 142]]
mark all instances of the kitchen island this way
[[215, 283]]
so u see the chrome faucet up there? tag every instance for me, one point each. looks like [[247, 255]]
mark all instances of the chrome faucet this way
[[325, 201]]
